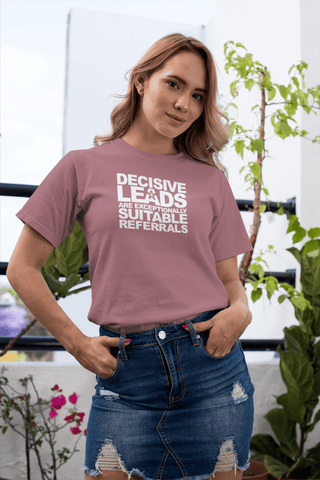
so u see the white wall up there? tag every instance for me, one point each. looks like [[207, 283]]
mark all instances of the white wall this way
[[265, 377], [308, 208]]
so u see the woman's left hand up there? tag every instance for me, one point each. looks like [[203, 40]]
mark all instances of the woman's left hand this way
[[225, 328]]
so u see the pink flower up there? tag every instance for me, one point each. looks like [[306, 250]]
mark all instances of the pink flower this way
[[58, 402], [81, 415], [56, 387], [73, 398], [85, 432], [52, 413], [75, 430], [69, 418]]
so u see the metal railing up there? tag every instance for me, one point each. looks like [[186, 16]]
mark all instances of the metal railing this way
[[52, 344]]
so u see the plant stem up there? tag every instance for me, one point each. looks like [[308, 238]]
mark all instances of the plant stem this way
[[27, 435], [247, 257], [15, 339], [50, 441], [303, 433]]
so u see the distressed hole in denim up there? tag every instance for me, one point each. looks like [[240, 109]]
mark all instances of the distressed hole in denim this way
[[108, 394], [238, 394], [227, 458], [109, 460]]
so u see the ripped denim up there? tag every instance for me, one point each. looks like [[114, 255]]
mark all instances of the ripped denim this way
[[170, 410]]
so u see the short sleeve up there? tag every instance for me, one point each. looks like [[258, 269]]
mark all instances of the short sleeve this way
[[53, 207], [228, 235]]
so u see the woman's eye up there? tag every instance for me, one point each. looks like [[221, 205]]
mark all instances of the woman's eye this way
[[173, 83], [198, 94]]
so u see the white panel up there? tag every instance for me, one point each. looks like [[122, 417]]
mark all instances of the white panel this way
[[309, 207], [101, 48]]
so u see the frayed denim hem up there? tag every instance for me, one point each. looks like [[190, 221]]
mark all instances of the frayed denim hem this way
[[135, 471], [92, 473]]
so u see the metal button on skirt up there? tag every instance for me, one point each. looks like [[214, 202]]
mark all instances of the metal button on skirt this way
[[170, 410]]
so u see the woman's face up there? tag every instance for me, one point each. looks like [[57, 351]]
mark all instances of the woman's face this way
[[164, 95]]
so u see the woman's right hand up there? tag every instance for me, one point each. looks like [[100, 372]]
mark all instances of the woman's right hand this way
[[93, 353]]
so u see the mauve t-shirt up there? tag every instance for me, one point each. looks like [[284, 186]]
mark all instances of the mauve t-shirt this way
[[155, 225]]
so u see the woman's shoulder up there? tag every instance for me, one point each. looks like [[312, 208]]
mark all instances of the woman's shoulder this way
[[98, 152]]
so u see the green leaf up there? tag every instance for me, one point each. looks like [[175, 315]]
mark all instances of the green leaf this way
[[299, 235], [299, 302], [296, 339], [293, 406], [310, 246], [301, 464], [314, 232], [284, 429], [291, 107], [249, 84], [5, 429], [294, 224], [314, 423], [275, 467], [297, 373], [310, 278], [239, 146], [264, 444], [282, 129], [295, 81], [271, 93], [256, 169], [316, 356], [317, 382], [256, 294], [271, 283], [284, 91], [295, 252], [258, 145], [282, 298], [263, 208], [233, 87]]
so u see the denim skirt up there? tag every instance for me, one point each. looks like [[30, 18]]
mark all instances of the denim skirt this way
[[170, 410]]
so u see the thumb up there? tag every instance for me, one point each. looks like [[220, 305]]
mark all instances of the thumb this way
[[201, 326], [111, 341]]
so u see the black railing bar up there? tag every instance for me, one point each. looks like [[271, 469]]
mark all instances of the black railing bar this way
[[18, 190], [288, 276], [52, 344]]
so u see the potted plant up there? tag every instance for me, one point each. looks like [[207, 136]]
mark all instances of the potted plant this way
[[298, 412]]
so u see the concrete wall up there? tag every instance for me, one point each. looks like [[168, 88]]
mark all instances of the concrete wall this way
[[73, 378]]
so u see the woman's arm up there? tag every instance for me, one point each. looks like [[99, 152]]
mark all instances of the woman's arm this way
[[23, 273], [229, 324]]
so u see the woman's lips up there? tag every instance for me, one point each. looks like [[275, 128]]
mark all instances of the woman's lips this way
[[174, 121]]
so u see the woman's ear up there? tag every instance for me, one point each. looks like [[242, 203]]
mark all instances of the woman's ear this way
[[140, 83]]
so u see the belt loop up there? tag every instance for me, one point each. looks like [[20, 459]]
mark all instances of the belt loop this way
[[193, 333], [122, 347]]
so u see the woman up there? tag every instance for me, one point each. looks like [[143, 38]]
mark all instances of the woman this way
[[173, 396]]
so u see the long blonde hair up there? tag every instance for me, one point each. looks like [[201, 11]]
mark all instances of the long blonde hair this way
[[206, 137]]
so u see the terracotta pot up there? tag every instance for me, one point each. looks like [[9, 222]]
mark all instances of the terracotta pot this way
[[256, 470]]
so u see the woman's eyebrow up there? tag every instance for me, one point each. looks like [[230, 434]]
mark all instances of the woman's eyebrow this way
[[185, 83]]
